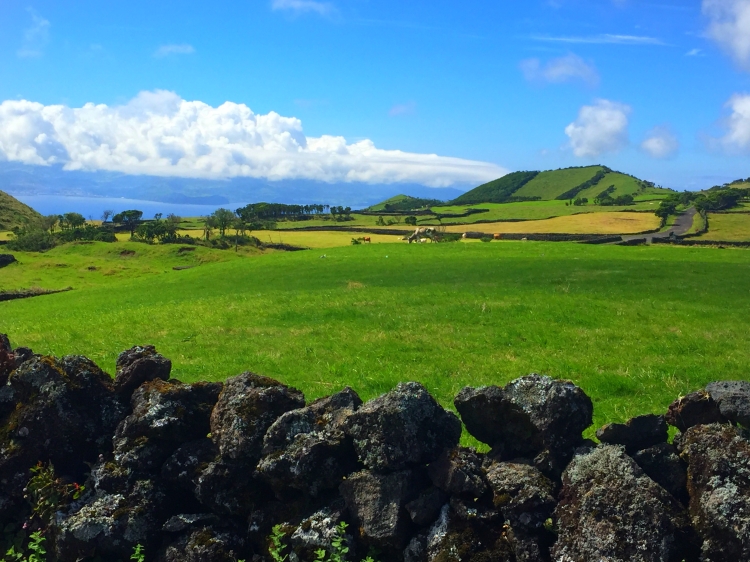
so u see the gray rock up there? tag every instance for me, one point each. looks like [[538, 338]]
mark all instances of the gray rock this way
[[733, 398], [402, 428], [138, 365], [718, 459], [459, 471], [247, 406], [533, 416], [610, 510], [663, 465], [206, 544], [316, 532], [637, 433], [425, 509], [306, 450], [697, 408], [185, 521], [377, 502], [524, 496]]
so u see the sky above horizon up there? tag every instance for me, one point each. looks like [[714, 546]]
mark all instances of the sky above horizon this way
[[439, 93]]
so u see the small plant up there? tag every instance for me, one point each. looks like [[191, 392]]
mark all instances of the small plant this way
[[339, 550], [277, 544], [47, 493], [138, 554], [36, 546]]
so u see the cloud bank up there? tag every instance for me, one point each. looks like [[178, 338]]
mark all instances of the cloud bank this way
[[660, 143], [729, 26], [158, 133], [600, 128], [563, 69]]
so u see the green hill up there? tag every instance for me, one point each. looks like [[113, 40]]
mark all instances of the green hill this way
[[567, 183], [404, 203], [498, 191], [14, 213]]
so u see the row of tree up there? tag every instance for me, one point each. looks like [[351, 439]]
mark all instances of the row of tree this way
[[711, 200]]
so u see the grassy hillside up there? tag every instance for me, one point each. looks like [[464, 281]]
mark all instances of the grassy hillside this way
[[624, 185], [635, 327], [496, 191], [14, 213], [553, 183], [403, 203]]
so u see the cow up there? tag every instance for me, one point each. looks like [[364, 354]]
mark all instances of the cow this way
[[367, 239], [422, 230]]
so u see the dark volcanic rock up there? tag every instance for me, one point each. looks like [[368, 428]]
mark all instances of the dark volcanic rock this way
[[316, 532], [637, 433], [697, 408], [425, 509], [459, 471], [247, 406], [532, 416], [522, 494], [184, 466], [733, 398], [663, 465], [377, 504], [111, 525], [228, 487], [610, 510], [7, 359], [402, 428], [307, 450], [7, 259], [718, 459], [206, 544], [138, 365]]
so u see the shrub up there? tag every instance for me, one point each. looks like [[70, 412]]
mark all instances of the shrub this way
[[32, 241]]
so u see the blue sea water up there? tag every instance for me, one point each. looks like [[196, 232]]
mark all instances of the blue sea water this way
[[93, 207]]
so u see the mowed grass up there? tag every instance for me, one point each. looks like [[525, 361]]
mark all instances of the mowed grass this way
[[586, 223], [730, 227], [635, 327]]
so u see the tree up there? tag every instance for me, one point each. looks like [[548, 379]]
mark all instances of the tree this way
[[74, 220], [131, 219], [411, 220], [209, 223], [222, 219], [49, 222], [107, 214]]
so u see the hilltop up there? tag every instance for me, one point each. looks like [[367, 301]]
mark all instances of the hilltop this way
[[563, 184], [14, 213], [404, 203]]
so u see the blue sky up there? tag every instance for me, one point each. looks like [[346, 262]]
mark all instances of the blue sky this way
[[657, 89]]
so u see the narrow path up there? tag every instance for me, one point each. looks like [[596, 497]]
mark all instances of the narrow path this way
[[682, 224]]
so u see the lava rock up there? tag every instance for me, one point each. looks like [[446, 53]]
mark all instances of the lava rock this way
[[718, 458], [317, 532], [636, 434], [207, 544], [533, 416], [227, 487], [733, 398], [307, 450], [425, 509], [610, 510], [377, 504], [137, 365], [7, 359], [247, 406], [697, 408], [182, 469], [402, 428], [170, 411], [663, 465], [459, 471], [522, 493], [7, 259], [111, 525]]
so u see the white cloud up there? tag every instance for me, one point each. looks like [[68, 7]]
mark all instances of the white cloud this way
[[660, 142], [737, 138], [563, 69], [301, 6], [402, 109], [159, 133], [694, 53], [36, 37], [166, 50], [605, 38], [729, 26], [600, 128]]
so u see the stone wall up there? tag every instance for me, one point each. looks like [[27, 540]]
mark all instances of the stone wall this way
[[202, 472]]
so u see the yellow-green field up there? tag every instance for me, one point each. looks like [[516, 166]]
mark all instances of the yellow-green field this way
[[731, 227], [588, 223]]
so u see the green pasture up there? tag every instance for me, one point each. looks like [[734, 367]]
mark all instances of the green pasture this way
[[729, 227], [553, 183], [634, 326], [624, 185]]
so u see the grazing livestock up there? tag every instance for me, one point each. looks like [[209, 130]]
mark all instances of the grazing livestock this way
[[421, 231], [367, 239]]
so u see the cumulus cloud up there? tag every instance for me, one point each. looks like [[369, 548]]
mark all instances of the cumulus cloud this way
[[158, 133], [166, 50], [600, 128], [660, 142], [737, 137], [301, 6], [563, 69], [35, 37], [729, 26]]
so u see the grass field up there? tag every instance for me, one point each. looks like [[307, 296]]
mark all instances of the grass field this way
[[549, 185], [587, 223], [635, 327], [730, 227], [624, 185]]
